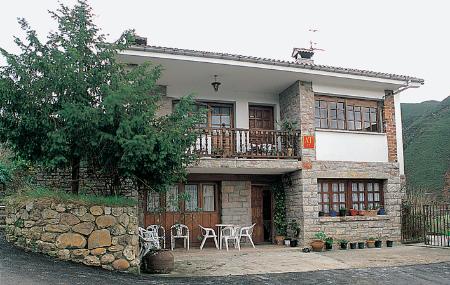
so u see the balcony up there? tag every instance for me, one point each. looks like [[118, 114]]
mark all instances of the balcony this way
[[247, 143]]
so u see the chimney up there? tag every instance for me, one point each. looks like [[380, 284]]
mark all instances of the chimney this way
[[303, 55], [140, 41]]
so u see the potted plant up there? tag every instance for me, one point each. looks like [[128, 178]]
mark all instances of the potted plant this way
[[343, 243], [333, 213], [289, 127], [294, 231], [389, 243], [319, 242], [378, 243], [361, 245], [362, 212], [353, 245], [371, 212], [381, 211], [279, 212], [321, 213], [370, 242], [353, 212], [287, 241], [342, 212], [328, 243]]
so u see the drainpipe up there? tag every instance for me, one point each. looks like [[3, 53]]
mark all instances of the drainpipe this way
[[405, 87]]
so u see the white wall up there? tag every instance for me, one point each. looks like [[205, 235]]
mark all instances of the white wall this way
[[241, 100], [351, 146], [399, 133], [348, 91]]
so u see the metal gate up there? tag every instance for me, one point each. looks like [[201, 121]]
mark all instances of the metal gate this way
[[412, 222], [437, 224]]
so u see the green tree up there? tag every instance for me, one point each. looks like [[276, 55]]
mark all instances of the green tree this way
[[68, 101]]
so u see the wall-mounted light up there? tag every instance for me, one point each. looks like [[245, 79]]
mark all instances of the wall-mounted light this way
[[216, 84]]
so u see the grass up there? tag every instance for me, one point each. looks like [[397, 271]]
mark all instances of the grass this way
[[41, 193]]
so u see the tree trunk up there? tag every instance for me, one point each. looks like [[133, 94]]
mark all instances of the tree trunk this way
[[75, 165]]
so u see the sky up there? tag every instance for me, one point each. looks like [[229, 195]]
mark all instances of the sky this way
[[402, 37]]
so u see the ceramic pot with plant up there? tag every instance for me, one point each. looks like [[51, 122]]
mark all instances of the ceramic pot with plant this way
[[342, 212], [370, 242], [294, 243], [353, 212], [319, 242], [371, 212], [333, 213], [362, 213], [378, 243], [343, 244], [353, 245], [381, 211], [329, 243], [361, 245], [389, 243], [287, 241], [321, 214]]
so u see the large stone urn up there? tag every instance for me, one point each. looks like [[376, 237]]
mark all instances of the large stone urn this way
[[158, 262]]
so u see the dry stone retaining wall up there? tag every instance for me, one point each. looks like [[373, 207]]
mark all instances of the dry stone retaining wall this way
[[95, 236]]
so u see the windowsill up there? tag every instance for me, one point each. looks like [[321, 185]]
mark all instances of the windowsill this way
[[353, 218], [350, 132]]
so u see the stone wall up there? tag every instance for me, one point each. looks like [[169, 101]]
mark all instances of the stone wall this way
[[236, 202], [95, 236], [389, 124]]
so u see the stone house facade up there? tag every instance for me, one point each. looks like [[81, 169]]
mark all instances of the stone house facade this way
[[343, 150]]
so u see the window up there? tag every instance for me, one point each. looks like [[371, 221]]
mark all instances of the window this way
[[152, 201], [208, 198], [358, 195], [191, 203], [346, 114], [172, 203]]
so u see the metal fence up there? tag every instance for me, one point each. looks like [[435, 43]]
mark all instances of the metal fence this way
[[412, 222], [436, 224]]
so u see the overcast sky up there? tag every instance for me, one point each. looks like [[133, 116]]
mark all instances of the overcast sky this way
[[403, 37]]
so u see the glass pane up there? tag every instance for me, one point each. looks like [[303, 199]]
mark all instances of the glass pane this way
[[323, 123], [317, 103], [342, 197], [335, 187], [333, 124], [208, 198], [340, 115], [215, 120], [332, 105], [335, 198], [225, 111], [361, 197], [325, 208], [341, 187], [152, 201], [340, 106], [350, 125], [336, 207], [354, 187], [341, 125], [216, 110], [333, 114], [191, 203], [317, 112], [317, 123], [355, 206], [226, 120], [376, 187], [358, 126], [172, 199], [370, 197], [325, 198], [320, 207], [323, 104], [369, 187], [323, 113], [355, 197], [377, 197]]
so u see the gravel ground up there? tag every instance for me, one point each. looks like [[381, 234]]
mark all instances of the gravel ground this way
[[18, 267]]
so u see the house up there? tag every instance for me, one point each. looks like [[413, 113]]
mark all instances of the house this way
[[344, 152]]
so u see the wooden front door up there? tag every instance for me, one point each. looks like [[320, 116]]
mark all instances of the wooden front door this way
[[257, 213]]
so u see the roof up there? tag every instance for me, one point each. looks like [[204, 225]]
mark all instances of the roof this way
[[277, 62]]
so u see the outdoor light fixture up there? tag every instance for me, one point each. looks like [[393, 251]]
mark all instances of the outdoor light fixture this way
[[216, 84]]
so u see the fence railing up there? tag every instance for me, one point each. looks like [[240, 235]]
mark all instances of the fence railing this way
[[437, 224], [412, 222], [247, 143]]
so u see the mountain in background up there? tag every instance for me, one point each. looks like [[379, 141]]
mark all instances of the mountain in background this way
[[426, 143]]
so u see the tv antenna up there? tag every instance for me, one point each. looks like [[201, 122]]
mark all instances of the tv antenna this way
[[312, 45]]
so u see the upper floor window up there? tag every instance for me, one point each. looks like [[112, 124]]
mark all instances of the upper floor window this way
[[347, 114], [217, 115]]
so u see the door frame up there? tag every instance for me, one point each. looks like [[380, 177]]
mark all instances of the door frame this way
[[265, 187]]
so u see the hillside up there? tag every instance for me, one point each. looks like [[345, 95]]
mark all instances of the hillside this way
[[426, 134]]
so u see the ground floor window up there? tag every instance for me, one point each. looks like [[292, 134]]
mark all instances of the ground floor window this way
[[349, 194], [189, 197]]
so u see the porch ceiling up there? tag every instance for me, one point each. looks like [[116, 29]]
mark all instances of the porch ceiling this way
[[184, 75]]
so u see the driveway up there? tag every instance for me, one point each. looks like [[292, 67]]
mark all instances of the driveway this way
[[18, 267]]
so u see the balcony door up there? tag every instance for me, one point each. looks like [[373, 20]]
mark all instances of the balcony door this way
[[261, 121]]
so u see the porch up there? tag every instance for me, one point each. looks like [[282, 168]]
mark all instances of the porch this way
[[266, 259]]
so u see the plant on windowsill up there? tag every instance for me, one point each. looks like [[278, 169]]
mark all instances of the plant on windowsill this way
[[370, 242], [289, 127], [363, 212], [321, 213], [319, 242], [353, 212], [333, 213], [279, 213], [371, 212], [381, 211], [342, 211], [343, 243], [329, 243]]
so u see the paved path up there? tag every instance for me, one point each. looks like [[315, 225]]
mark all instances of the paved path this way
[[18, 267]]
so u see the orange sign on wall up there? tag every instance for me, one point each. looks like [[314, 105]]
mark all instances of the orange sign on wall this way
[[308, 141]]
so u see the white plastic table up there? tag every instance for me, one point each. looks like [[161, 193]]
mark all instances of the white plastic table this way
[[219, 234]]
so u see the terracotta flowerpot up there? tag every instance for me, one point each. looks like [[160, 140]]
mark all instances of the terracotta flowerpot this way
[[158, 262], [353, 212], [317, 245], [370, 244], [279, 240], [362, 212]]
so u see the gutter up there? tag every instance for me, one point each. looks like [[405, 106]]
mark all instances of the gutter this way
[[405, 87]]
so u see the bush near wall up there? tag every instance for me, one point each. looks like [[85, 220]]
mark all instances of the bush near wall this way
[[95, 235]]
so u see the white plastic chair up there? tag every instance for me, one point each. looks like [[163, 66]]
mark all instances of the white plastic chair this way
[[208, 233], [247, 232], [161, 233], [179, 231], [230, 233], [148, 241]]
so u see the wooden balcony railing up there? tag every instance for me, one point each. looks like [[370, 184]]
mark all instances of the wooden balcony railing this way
[[231, 142]]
